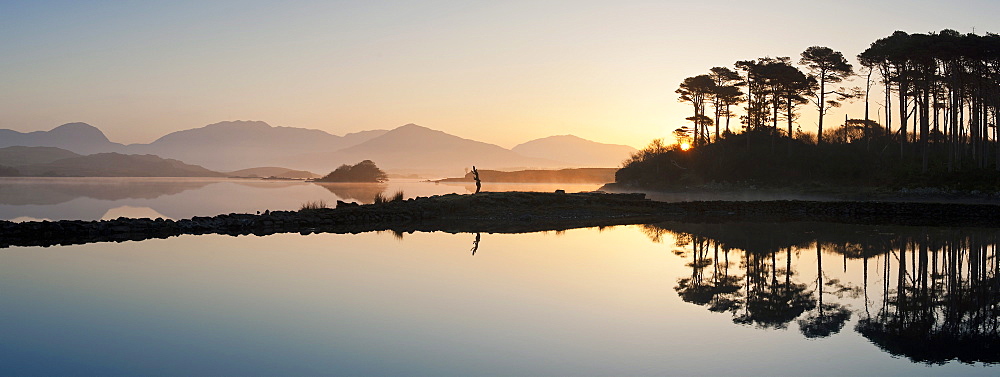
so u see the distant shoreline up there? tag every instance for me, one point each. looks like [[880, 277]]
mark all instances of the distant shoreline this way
[[826, 194], [498, 212], [568, 176]]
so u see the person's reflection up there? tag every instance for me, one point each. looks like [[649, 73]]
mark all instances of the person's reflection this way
[[475, 244]]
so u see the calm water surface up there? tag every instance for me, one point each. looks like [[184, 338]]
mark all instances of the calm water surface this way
[[28, 199], [657, 299], [632, 300]]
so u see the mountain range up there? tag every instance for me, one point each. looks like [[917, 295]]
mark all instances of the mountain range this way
[[235, 145], [57, 162], [576, 149], [81, 138]]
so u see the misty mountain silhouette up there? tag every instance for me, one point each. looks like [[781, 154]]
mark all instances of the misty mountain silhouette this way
[[417, 148], [241, 144], [271, 171], [576, 150], [18, 156], [81, 138], [234, 145], [117, 165], [359, 137]]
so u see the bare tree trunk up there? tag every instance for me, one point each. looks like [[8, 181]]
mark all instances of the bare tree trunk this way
[[791, 135], [925, 125], [822, 106], [728, 116], [952, 134], [718, 113], [903, 89], [996, 134]]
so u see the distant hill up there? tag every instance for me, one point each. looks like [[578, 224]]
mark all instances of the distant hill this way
[[580, 175], [576, 150], [7, 171], [116, 165], [233, 145], [416, 148], [270, 171], [17, 156], [223, 146], [81, 138], [355, 138], [239, 144]]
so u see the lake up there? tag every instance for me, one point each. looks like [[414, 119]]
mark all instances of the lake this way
[[648, 299], [30, 199]]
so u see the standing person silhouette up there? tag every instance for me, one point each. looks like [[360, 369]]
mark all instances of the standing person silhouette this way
[[475, 175]]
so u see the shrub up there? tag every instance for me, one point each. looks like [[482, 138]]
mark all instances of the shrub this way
[[319, 204], [398, 196]]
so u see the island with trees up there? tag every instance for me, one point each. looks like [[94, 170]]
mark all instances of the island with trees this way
[[939, 119], [364, 172]]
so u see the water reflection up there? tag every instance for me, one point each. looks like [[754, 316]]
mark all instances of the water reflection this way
[[944, 304], [475, 244], [48, 191], [178, 198], [598, 301], [361, 192], [132, 212], [937, 299]]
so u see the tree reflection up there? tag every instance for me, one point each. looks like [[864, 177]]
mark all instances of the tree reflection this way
[[772, 303], [757, 298], [939, 298], [828, 318], [945, 304], [719, 292]]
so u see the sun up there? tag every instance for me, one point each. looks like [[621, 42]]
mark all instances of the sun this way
[[685, 146]]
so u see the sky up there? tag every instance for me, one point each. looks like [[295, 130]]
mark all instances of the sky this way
[[502, 72]]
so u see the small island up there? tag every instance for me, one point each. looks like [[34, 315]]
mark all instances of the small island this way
[[363, 172]]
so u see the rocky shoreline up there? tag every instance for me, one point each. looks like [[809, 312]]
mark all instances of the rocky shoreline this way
[[498, 212]]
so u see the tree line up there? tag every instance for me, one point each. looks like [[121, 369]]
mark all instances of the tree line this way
[[776, 90], [939, 101], [947, 87]]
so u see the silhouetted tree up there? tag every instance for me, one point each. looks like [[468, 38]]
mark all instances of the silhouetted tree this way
[[791, 90], [683, 135], [827, 66], [756, 115], [725, 94], [945, 85], [697, 90]]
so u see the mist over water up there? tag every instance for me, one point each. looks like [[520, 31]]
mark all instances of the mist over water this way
[[745, 195], [832, 194]]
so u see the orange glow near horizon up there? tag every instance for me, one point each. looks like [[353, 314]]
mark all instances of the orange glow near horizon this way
[[685, 146]]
